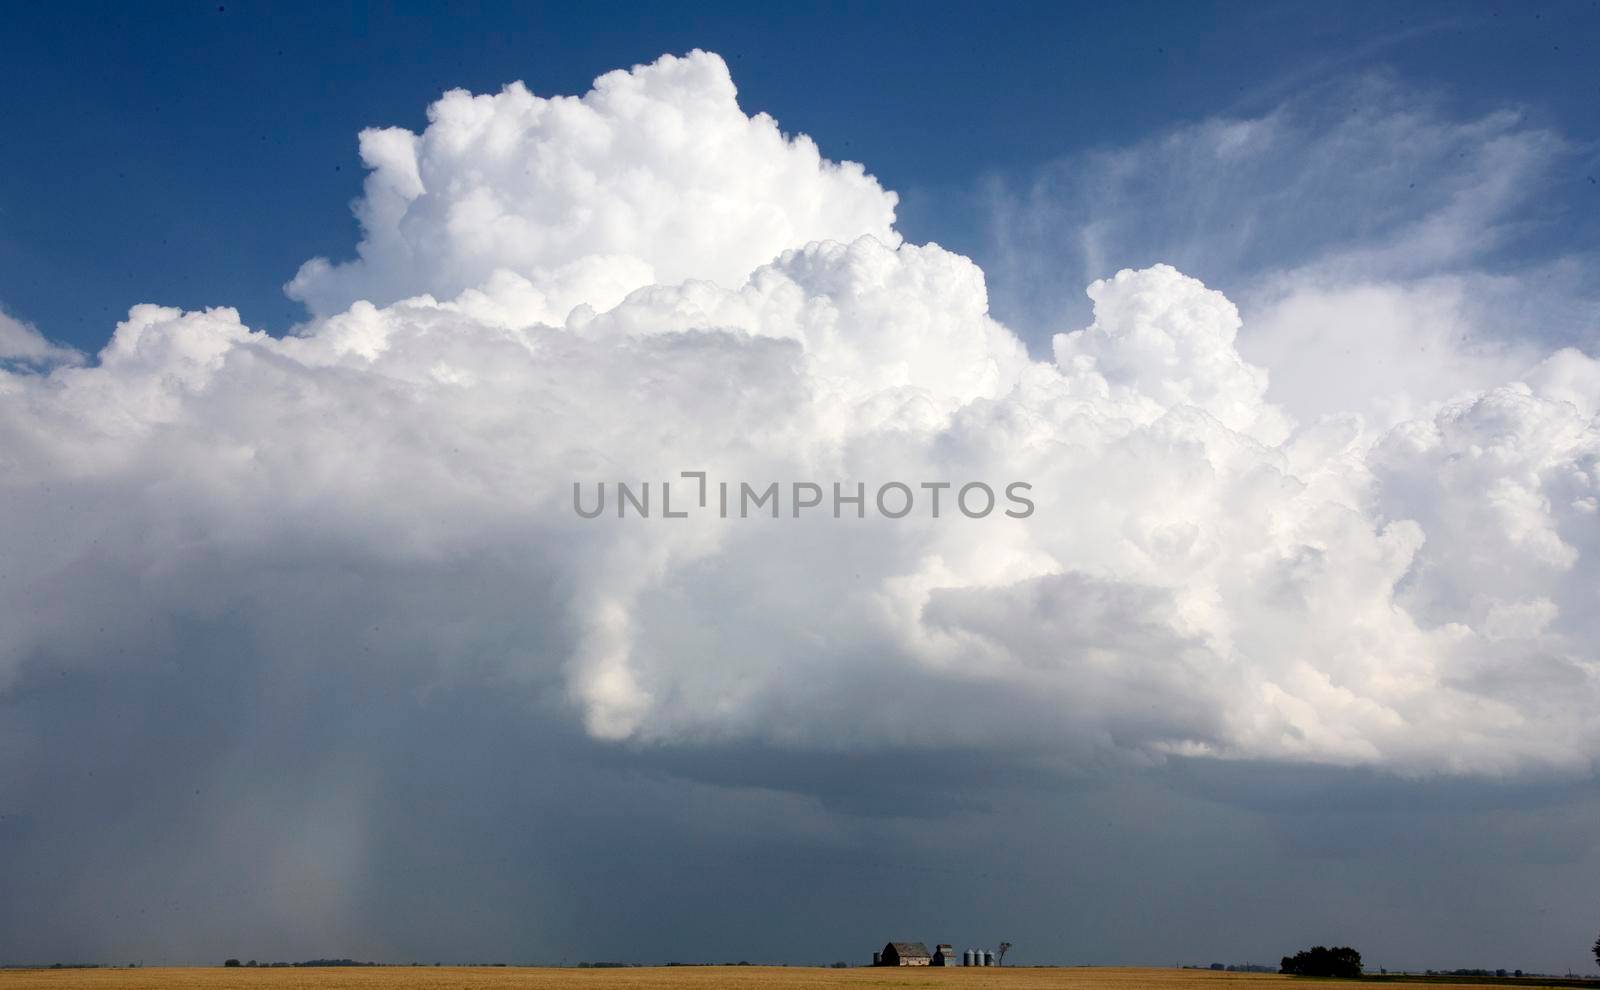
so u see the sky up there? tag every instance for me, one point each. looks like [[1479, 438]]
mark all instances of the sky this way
[[314, 324]]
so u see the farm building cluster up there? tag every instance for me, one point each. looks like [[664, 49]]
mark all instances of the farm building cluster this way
[[917, 954]]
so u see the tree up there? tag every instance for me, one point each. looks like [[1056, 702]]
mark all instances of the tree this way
[[1322, 961], [1597, 950], [1004, 948], [231, 963]]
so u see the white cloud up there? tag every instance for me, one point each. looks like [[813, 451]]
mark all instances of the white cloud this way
[[654, 176], [21, 343], [645, 281]]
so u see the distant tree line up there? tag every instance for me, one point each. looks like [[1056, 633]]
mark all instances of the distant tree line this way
[[309, 962], [1320, 960]]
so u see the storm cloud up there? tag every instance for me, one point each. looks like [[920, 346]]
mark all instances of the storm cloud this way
[[331, 579]]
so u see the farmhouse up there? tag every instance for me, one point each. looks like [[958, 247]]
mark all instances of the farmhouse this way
[[903, 954]]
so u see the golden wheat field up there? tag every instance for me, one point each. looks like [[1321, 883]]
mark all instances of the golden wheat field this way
[[663, 978]]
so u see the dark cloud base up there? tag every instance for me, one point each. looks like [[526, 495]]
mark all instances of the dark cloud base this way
[[182, 810]]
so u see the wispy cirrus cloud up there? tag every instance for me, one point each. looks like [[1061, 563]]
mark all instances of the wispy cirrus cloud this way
[[1387, 253]]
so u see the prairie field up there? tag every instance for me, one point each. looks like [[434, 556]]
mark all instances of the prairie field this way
[[662, 978]]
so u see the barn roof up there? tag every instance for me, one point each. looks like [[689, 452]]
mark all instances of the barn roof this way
[[908, 949]]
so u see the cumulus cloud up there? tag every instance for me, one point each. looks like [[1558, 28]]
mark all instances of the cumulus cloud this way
[[23, 344], [646, 281], [654, 176]]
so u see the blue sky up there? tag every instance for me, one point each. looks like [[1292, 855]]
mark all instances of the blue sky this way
[[195, 154], [1308, 602]]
